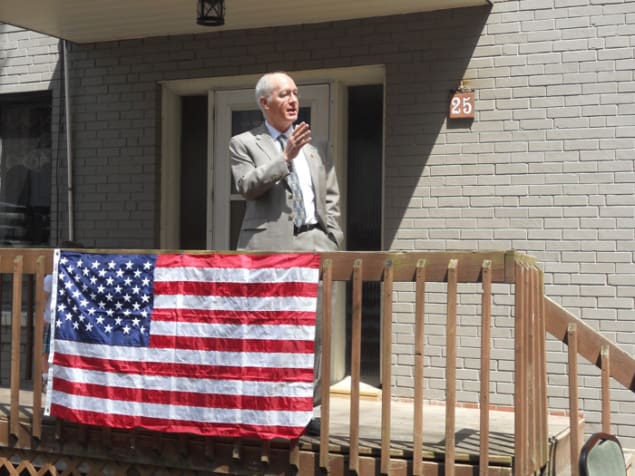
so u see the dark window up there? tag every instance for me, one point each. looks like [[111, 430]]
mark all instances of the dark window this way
[[364, 192], [25, 169], [193, 172]]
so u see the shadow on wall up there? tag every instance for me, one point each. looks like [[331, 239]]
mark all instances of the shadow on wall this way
[[417, 102]]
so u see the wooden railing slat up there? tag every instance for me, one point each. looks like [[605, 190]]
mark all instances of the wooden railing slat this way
[[386, 368], [38, 354], [16, 326], [450, 369], [356, 346], [572, 340], [2, 261], [486, 335], [531, 355], [30, 321], [419, 367], [325, 408], [605, 367]]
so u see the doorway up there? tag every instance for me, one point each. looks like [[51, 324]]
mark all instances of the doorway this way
[[346, 117]]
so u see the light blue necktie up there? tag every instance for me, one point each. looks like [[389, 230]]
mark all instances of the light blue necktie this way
[[297, 201]]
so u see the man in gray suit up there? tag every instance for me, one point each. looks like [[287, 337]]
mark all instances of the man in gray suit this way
[[269, 164], [262, 169]]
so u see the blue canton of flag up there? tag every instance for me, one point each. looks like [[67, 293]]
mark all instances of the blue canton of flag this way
[[105, 299]]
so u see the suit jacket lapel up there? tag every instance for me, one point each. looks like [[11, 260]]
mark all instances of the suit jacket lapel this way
[[266, 142]]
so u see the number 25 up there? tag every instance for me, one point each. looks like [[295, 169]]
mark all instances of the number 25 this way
[[461, 105]]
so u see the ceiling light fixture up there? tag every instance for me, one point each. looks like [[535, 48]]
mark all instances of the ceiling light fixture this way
[[211, 12]]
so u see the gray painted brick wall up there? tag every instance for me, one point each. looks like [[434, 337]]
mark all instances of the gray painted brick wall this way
[[546, 167]]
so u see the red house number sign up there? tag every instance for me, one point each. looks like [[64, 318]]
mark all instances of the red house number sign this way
[[462, 105]]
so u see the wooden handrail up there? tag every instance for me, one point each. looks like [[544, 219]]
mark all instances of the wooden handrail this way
[[590, 344], [583, 340]]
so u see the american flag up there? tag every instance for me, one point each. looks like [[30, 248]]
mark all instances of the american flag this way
[[213, 344]]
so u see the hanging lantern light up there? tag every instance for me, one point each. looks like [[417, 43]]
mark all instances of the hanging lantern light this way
[[211, 12]]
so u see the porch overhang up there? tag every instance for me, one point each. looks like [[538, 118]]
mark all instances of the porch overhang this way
[[81, 21]]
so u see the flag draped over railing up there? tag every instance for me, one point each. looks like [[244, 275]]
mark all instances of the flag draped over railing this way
[[210, 344]]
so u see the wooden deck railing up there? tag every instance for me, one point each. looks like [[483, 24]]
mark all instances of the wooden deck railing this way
[[452, 268]]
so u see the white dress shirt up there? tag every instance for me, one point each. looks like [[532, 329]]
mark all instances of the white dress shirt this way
[[304, 175]]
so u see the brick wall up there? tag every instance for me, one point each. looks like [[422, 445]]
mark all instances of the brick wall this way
[[546, 167], [28, 60]]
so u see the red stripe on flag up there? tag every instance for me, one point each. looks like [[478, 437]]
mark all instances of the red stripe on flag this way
[[231, 345], [293, 318], [231, 430], [243, 290]]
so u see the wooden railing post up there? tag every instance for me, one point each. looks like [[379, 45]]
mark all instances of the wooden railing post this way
[[520, 372], [542, 339]]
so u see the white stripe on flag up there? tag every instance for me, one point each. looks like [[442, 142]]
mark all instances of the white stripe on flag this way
[[180, 412], [186, 356], [193, 385], [237, 275], [237, 304]]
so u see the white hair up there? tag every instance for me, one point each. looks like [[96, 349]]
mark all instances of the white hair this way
[[264, 87]]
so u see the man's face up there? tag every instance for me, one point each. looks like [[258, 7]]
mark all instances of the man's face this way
[[281, 108]]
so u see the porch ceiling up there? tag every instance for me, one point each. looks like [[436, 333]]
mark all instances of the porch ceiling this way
[[83, 21]]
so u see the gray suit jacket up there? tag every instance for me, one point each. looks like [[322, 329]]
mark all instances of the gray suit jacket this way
[[260, 172]]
